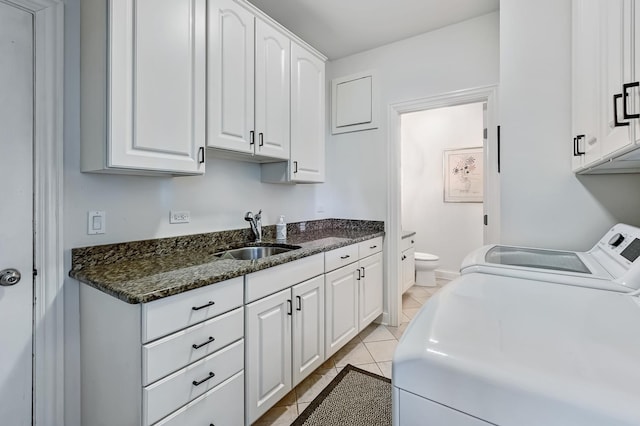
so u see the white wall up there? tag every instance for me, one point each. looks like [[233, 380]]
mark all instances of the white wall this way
[[448, 230], [457, 57], [543, 203]]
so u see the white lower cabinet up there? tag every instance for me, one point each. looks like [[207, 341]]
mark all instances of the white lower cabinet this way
[[341, 288], [284, 335], [408, 263], [353, 292], [176, 360], [370, 287]]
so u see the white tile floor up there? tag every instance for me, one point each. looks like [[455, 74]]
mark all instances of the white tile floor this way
[[371, 350]]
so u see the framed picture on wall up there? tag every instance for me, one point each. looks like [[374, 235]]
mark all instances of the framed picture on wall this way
[[463, 171]]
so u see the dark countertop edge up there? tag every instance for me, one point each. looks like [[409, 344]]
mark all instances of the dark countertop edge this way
[[407, 234], [244, 267]]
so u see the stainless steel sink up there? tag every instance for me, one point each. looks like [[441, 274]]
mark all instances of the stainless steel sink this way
[[254, 252]]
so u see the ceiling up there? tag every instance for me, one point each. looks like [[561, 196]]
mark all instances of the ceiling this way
[[341, 28]]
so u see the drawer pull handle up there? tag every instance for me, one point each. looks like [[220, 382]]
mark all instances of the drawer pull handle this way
[[346, 256], [209, 377], [412, 241], [194, 346], [197, 308], [372, 247]]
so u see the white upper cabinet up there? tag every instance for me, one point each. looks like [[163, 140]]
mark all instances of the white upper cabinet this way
[[143, 86], [230, 91], [307, 116], [307, 162], [272, 91], [248, 84], [605, 95]]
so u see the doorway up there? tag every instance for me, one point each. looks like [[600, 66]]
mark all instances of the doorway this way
[[491, 192], [442, 182]]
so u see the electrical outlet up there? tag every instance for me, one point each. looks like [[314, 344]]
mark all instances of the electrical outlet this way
[[96, 222], [182, 216]]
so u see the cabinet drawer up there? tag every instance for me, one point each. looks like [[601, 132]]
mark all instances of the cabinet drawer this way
[[407, 243], [173, 352], [221, 406], [340, 257], [268, 281], [369, 247], [178, 389], [174, 313]]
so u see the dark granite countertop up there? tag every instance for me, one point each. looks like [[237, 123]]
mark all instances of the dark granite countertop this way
[[407, 234], [143, 271]]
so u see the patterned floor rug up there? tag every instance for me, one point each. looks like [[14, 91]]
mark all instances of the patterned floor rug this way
[[355, 397]]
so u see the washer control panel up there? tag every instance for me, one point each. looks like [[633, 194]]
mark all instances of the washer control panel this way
[[622, 243]]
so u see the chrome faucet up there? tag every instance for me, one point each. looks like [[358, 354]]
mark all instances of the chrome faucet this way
[[256, 225]]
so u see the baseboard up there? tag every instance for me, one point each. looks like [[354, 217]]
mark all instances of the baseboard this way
[[446, 275]]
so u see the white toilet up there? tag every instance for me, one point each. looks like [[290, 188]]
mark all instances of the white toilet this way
[[425, 269]]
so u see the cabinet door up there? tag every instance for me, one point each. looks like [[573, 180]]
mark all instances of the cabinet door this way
[[307, 116], [370, 289], [408, 269], [268, 352], [586, 91], [157, 85], [616, 33], [341, 308], [272, 76], [230, 67], [308, 327]]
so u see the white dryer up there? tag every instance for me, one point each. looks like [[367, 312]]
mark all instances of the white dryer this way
[[490, 349], [612, 264]]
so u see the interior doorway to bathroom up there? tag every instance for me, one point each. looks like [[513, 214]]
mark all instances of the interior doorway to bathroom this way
[[489, 219], [442, 170]]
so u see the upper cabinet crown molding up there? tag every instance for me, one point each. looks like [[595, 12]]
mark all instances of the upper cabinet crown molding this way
[[142, 87]]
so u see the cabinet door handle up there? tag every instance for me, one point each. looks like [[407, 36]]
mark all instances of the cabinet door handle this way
[[197, 308], [252, 135], [625, 90], [412, 241], [578, 144], [211, 339], [289, 307], [261, 139], [616, 123], [209, 377], [403, 257], [346, 256], [201, 155], [299, 299], [358, 274], [362, 267], [295, 167], [372, 247], [575, 139]]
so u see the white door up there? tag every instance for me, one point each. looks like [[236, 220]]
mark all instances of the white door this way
[[341, 308], [370, 289], [307, 116], [268, 352], [16, 231], [272, 91], [308, 327]]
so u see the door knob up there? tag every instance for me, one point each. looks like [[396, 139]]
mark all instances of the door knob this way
[[9, 277]]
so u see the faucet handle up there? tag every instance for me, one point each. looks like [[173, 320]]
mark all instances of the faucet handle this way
[[248, 216], [258, 215]]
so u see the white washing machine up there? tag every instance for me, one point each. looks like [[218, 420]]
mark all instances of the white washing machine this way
[[612, 264], [489, 349]]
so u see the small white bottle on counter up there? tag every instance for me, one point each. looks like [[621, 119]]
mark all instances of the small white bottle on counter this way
[[281, 230]]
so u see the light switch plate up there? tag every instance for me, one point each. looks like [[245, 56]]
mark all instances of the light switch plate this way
[[182, 216], [96, 222]]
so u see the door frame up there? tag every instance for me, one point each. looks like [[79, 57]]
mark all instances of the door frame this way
[[48, 308], [486, 94]]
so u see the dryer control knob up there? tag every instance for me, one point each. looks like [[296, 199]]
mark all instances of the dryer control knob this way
[[616, 240]]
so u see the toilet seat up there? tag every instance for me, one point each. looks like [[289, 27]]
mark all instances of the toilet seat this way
[[426, 256]]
